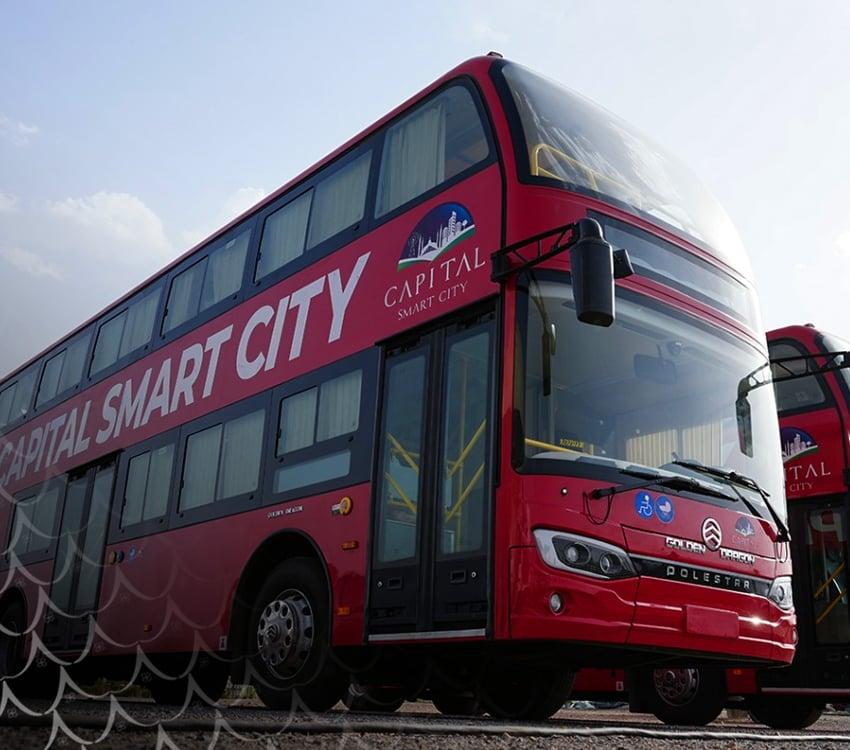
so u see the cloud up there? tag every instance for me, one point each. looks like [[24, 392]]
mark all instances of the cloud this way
[[8, 203], [239, 201], [484, 31], [16, 132], [842, 244], [124, 226], [29, 263]]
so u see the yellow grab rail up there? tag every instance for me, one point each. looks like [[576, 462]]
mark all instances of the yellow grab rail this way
[[829, 580]]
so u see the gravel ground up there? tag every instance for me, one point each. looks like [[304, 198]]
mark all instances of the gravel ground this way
[[243, 720]]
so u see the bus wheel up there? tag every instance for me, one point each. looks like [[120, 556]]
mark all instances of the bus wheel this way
[[681, 696], [11, 658], [290, 654], [525, 694], [784, 711], [370, 698], [456, 704]]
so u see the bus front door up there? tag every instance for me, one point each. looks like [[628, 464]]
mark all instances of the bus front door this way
[[79, 558], [430, 551]]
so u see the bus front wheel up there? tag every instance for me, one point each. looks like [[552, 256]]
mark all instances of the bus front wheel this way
[[685, 697], [784, 711], [289, 648]]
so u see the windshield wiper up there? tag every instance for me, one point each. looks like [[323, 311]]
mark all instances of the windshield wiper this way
[[670, 481], [733, 478]]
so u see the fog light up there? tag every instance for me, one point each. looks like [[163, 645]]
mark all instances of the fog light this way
[[609, 564], [556, 604], [577, 554]]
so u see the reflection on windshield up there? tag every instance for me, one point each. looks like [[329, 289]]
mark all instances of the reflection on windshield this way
[[572, 140], [653, 388]]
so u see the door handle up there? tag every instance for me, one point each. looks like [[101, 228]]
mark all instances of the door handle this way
[[457, 576], [393, 584]]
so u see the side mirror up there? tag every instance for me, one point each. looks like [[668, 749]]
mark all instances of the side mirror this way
[[744, 418], [592, 266]]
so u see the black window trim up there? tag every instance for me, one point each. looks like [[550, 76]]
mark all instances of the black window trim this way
[[328, 246], [232, 505], [130, 357], [12, 424], [250, 287], [48, 554], [829, 398], [61, 396], [119, 533], [202, 254], [359, 442]]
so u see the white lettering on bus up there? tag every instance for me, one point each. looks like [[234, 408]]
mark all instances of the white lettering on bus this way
[[130, 410], [193, 356], [213, 346], [277, 332], [133, 402], [341, 295], [245, 368], [161, 396], [301, 299]]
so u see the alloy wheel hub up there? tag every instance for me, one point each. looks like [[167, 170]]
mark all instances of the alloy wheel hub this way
[[676, 687], [285, 633]]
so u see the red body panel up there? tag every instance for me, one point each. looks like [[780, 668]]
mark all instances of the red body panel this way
[[180, 583]]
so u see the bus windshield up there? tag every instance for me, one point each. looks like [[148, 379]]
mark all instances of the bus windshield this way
[[656, 387], [569, 140]]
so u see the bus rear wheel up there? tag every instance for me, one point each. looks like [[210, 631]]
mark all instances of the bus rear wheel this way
[[685, 697], [372, 698], [289, 649], [525, 694], [456, 704], [784, 711]]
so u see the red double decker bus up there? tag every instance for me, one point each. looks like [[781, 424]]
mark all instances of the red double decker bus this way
[[412, 421], [809, 373]]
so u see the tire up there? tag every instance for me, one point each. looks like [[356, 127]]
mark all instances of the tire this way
[[209, 674], [525, 695], [288, 641], [11, 656], [456, 704], [41, 680], [370, 699], [684, 697], [784, 711]]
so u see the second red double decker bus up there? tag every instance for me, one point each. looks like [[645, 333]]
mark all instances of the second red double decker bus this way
[[413, 422]]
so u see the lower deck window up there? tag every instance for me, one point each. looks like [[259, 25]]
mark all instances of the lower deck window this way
[[222, 461], [312, 471]]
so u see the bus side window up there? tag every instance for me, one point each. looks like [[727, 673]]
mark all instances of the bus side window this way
[[126, 332], [437, 141], [313, 421], [33, 522], [208, 281], [15, 399], [800, 392], [223, 461], [148, 483], [63, 370]]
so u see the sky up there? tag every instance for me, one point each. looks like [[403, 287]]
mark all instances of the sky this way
[[130, 131]]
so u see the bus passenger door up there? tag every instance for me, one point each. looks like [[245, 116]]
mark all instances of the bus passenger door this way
[[79, 557], [433, 490]]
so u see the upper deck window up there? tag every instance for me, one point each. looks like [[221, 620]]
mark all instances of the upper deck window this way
[[568, 141], [126, 332], [799, 393], [334, 203], [207, 282], [432, 144], [15, 398], [63, 370]]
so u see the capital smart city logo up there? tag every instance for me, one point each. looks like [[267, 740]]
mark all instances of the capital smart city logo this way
[[441, 229], [796, 443]]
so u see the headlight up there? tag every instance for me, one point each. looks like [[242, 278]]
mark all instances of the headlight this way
[[781, 593], [579, 554]]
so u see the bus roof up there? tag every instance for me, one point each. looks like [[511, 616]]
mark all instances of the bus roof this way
[[474, 65]]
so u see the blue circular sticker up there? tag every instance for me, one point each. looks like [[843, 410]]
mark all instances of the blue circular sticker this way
[[664, 509], [643, 504]]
